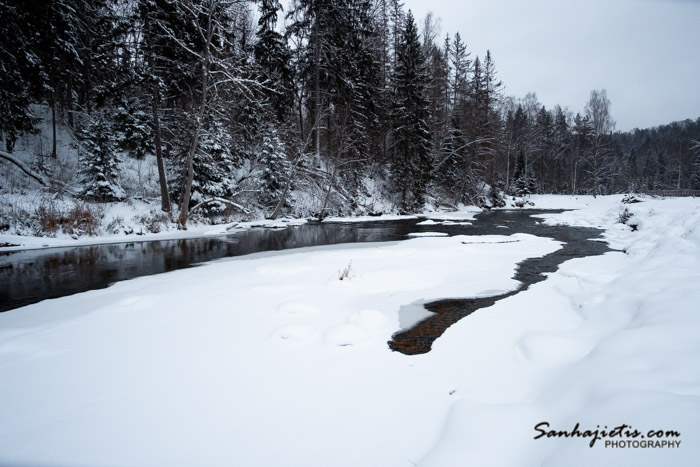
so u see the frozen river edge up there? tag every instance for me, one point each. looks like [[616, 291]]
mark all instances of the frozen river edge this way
[[244, 362]]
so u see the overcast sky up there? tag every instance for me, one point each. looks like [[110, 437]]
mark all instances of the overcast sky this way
[[645, 53]]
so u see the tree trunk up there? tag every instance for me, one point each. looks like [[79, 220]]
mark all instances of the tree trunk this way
[[189, 178], [189, 163], [280, 203], [71, 119], [317, 92], [164, 197], [53, 125]]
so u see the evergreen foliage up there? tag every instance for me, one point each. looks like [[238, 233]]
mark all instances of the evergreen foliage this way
[[350, 96], [100, 167], [411, 164], [275, 168]]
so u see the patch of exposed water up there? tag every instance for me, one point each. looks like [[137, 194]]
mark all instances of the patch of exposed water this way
[[576, 243]]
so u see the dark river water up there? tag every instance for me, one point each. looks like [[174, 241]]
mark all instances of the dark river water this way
[[30, 276]]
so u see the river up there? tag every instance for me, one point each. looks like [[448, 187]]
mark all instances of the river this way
[[30, 276]]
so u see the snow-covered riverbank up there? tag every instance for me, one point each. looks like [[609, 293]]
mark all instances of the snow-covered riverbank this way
[[271, 359]]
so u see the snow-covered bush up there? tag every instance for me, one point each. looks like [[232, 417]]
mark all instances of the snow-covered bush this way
[[154, 221], [497, 196], [53, 217], [118, 226], [623, 217]]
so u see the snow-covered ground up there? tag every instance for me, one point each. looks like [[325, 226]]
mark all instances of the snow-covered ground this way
[[271, 359], [129, 220]]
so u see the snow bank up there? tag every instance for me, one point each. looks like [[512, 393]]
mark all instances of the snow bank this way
[[604, 342], [130, 222], [270, 359]]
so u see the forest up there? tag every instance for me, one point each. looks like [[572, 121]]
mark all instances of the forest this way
[[318, 107]]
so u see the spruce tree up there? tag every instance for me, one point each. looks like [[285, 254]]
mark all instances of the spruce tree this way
[[275, 168], [273, 57], [17, 55], [411, 163], [100, 165]]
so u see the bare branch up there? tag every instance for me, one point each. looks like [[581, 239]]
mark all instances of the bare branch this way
[[454, 153]]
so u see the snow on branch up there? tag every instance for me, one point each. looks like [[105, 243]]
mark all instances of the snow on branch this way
[[38, 177], [456, 151], [220, 200]]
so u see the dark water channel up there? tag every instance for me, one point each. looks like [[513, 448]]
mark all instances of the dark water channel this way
[[30, 276], [577, 243]]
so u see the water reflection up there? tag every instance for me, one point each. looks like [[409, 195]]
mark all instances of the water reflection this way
[[33, 275]]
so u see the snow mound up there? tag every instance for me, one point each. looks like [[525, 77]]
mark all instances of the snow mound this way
[[427, 234]]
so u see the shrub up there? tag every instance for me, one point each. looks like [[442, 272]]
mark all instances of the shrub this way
[[345, 272], [154, 221]]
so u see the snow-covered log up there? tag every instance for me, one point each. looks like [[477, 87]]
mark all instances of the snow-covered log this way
[[12, 159], [220, 200]]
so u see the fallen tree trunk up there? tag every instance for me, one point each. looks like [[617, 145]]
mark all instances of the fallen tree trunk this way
[[10, 158], [220, 200]]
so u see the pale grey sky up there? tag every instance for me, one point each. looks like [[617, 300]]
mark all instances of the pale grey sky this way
[[645, 53]]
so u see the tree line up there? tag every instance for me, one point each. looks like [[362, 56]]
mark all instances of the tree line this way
[[241, 102]]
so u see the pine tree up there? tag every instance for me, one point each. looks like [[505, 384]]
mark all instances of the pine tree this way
[[133, 129], [542, 151], [524, 178], [17, 55], [100, 165], [438, 94], [562, 147], [213, 166], [461, 66], [275, 168], [411, 164], [273, 57], [488, 118], [581, 134], [57, 30]]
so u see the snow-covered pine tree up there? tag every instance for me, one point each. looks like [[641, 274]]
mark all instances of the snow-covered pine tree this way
[[275, 168], [461, 66], [57, 27], [524, 178], [133, 129], [561, 146], [456, 165], [411, 164], [485, 90], [274, 59], [17, 57], [542, 149], [100, 166], [213, 167], [438, 89], [581, 139]]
